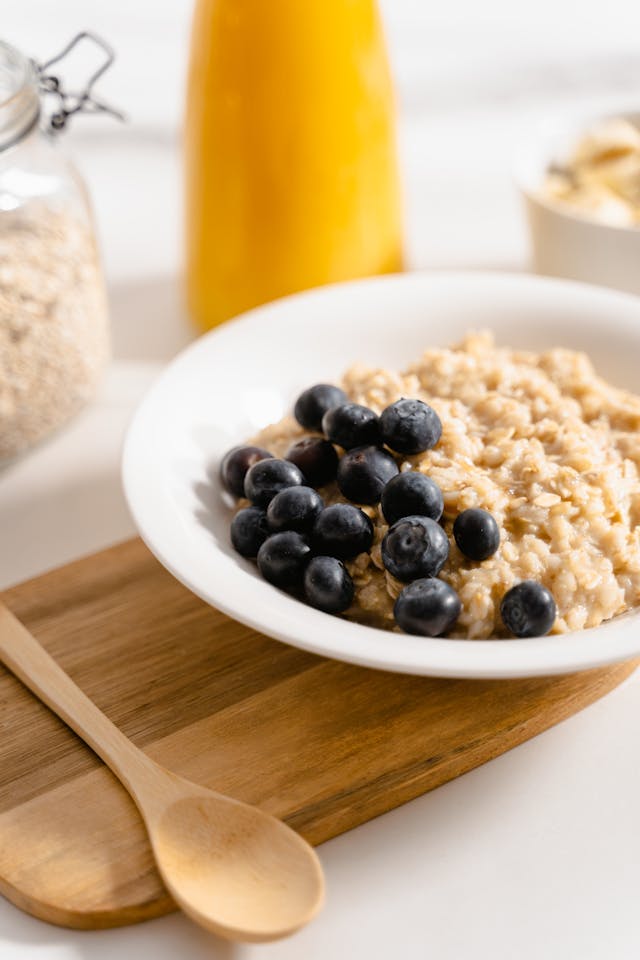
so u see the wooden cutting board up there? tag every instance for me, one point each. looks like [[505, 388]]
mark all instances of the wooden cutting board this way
[[323, 744]]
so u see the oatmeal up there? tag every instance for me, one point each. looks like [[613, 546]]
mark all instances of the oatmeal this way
[[550, 449]]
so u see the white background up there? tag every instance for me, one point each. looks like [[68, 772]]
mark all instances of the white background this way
[[534, 855]]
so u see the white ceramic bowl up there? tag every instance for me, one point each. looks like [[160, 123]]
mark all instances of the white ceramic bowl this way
[[233, 381], [566, 244]]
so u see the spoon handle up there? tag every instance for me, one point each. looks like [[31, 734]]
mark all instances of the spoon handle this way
[[29, 661]]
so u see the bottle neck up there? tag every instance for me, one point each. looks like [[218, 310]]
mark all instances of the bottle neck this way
[[19, 97]]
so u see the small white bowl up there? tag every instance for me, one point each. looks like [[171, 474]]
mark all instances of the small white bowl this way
[[235, 380], [568, 244]]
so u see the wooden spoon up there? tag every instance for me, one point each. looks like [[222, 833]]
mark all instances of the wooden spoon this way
[[232, 868]]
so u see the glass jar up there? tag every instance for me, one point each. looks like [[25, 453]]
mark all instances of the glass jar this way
[[54, 336]]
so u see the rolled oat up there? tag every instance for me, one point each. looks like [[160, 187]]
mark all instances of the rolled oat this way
[[54, 339]]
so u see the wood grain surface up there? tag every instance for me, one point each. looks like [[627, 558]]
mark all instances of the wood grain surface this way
[[325, 745]]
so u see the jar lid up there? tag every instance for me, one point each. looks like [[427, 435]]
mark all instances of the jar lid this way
[[23, 82], [19, 97]]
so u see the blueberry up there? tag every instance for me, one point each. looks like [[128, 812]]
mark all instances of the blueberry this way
[[411, 494], [410, 426], [312, 404], [316, 458], [282, 559], [235, 464], [427, 607], [528, 609], [351, 425], [476, 533], [364, 472], [294, 508], [327, 585], [249, 530], [268, 477], [415, 547], [342, 531]]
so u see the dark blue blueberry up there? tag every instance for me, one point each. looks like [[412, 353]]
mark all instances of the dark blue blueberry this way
[[327, 585], [294, 508], [415, 547], [411, 494], [364, 472], [249, 530], [282, 559], [235, 464], [351, 425], [312, 404], [427, 607], [342, 531], [476, 533], [268, 477], [316, 458], [410, 426], [528, 609]]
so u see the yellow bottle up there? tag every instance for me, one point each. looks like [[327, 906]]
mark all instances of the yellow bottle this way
[[291, 167]]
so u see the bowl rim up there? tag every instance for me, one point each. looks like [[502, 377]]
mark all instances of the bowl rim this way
[[544, 656]]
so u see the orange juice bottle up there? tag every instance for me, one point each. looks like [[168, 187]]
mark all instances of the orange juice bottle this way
[[291, 166]]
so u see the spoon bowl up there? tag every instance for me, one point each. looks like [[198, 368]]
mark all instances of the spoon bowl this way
[[230, 866]]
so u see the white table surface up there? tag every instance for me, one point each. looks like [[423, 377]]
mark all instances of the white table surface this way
[[535, 854]]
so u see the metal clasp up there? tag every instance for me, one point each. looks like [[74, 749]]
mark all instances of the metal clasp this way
[[68, 102]]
